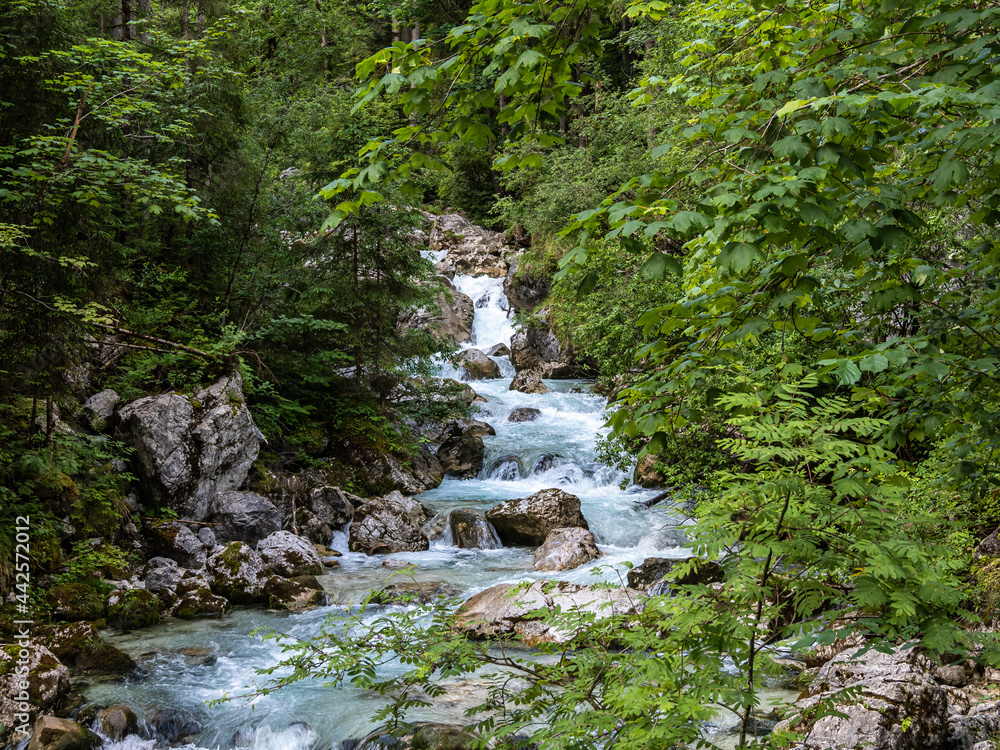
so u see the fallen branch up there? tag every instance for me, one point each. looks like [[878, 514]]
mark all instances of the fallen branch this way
[[155, 340]]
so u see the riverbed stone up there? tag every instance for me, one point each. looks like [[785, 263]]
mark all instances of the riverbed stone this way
[[528, 520], [188, 449], [243, 517], [288, 555], [475, 365], [442, 737], [471, 530], [896, 687], [527, 289], [237, 573], [117, 721], [471, 250], [506, 609], [524, 414], [130, 609], [528, 381], [449, 318], [497, 350], [176, 541], [389, 524], [413, 592], [53, 733], [565, 549], [506, 468]]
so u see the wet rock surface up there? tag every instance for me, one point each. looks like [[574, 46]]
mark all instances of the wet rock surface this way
[[506, 609], [475, 365], [52, 733], [471, 530], [237, 573], [524, 414], [389, 524], [529, 520], [528, 381], [449, 318], [565, 549], [243, 517], [650, 575]]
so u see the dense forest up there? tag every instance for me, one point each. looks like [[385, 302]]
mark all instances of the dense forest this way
[[766, 231]]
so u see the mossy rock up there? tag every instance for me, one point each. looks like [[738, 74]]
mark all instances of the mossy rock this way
[[80, 647], [75, 602], [131, 609], [296, 593], [202, 603]]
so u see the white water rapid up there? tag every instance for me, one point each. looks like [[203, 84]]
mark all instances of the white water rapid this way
[[556, 450]]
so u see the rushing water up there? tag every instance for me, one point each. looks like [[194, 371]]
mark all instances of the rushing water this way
[[556, 450]]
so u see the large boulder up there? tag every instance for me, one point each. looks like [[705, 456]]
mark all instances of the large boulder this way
[[52, 733], [243, 517], [377, 472], [160, 576], [646, 473], [333, 506], [237, 573], [389, 524], [450, 317], [528, 520], [174, 540], [100, 408], [469, 249], [47, 683], [195, 599], [475, 365], [507, 609], [287, 555], [525, 290], [188, 449], [897, 690], [990, 546], [528, 381], [565, 549]]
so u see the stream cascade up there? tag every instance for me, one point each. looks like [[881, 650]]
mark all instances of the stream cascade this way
[[183, 665]]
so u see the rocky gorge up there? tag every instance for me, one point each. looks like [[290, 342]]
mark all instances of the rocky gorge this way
[[512, 493]]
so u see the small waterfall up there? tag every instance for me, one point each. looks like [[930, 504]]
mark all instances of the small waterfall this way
[[505, 468], [471, 530]]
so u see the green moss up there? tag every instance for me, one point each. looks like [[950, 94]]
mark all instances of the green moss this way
[[73, 602], [233, 557], [133, 608]]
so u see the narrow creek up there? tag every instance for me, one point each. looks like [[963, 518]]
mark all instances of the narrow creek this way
[[184, 664]]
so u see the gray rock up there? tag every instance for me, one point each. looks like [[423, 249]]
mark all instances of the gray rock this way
[[189, 449], [288, 555], [333, 506], [475, 365], [505, 609], [301, 592], [207, 537], [497, 350], [529, 520], [243, 517], [378, 473], [389, 524], [237, 573], [565, 549], [506, 468], [955, 675], [528, 381], [981, 723], [524, 414], [895, 687], [177, 542], [161, 573], [100, 408]]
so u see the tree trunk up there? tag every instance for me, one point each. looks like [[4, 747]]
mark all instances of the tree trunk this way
[[146, 9], [184, 19]]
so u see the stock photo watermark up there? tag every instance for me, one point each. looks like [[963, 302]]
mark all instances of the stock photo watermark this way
[[19, 695]]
